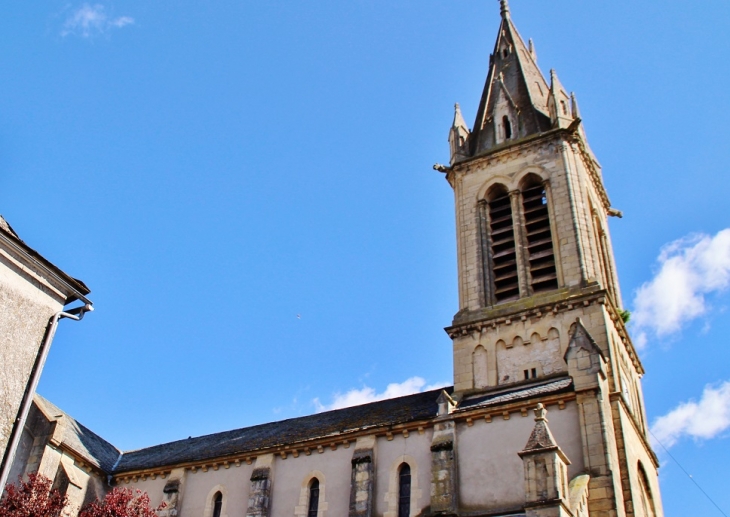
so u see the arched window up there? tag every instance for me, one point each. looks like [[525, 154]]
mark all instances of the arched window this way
[[540, 254], [217, 504], [647, 501], [313, 506], [503, 260], [480, 367], [404, 491], [507, 127]]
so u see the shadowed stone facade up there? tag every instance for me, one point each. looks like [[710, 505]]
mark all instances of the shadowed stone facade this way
[[539, 329]]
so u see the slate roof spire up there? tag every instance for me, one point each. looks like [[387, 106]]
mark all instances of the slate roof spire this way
[[514, 103]]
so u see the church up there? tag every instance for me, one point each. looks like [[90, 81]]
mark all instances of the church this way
[[545, 417]]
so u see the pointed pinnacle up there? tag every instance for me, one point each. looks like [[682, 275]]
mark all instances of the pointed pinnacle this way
[[504, 9], [574, 105], [531, 47], [540, 413]]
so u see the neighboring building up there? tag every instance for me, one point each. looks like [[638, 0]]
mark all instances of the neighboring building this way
[[33, 293], [539, 326]]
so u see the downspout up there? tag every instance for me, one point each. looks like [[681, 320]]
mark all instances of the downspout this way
[[76, 314]]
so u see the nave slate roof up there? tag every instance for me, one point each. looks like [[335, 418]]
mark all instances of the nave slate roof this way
[[336, 423], [421, 406]]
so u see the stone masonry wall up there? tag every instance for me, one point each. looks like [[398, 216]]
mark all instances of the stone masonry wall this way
[[471, 181], [24, 315]]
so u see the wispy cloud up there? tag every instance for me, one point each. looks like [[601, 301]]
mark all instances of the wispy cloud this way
[[699, 420], [356, 397], [90, 20], [689, 269]]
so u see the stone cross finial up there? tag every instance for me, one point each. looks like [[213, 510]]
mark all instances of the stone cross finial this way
[[504, 9], [540, 413]]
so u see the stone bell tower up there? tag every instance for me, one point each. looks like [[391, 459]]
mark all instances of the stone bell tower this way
[[538, 292]]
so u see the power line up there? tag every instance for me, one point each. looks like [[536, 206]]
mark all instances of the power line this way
[[688, 474]]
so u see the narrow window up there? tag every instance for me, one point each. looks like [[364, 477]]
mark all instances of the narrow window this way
[[527, 374], [507, 128], [313, 498], [533, 371], [540, 253], [217, 504], [404, 491], [647, 501], [564, 106], [502, 242]]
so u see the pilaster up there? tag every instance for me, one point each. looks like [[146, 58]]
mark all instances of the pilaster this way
[[518, 218], [362, 478], [259, 496], [444, 501]]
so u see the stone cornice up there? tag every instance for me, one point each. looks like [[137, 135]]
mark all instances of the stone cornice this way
[[548, 307], [508, 150], [502, 152], [521, 312]]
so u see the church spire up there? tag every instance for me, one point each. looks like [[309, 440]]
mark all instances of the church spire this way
[[514, 103]]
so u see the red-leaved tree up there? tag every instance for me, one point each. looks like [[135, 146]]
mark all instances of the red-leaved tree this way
[[121, 502], [32, 498]]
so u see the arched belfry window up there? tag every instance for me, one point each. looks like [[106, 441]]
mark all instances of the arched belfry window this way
[[404, 491], [507, 126], [502, 255], [540, 254], [313, 506], [217, 504]]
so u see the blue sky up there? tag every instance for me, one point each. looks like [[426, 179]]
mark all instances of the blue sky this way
[[247, 189]]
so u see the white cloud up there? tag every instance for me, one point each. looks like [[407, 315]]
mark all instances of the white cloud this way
[[699, 420], [92, 20], [356, 397], [689, 269]]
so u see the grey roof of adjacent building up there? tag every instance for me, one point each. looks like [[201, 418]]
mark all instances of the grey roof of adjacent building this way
[[7, 232], [80, 439], [335, 424]]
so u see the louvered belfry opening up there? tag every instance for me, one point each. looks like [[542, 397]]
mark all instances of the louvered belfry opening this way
[[502, 242], [540, 254]]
